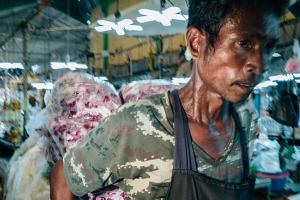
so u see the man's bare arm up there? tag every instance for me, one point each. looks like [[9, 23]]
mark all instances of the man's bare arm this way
[[58, 186]]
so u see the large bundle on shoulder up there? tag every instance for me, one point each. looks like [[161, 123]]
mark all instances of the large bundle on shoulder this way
[[77, 104]]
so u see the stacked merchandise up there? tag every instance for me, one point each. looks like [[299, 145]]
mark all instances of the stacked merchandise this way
[[274, 158], [141, 89], [270, 127], [28, 169], [13, 120]]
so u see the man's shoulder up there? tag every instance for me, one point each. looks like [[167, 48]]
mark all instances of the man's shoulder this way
[[152, 111], [153, 101], [156, 105]]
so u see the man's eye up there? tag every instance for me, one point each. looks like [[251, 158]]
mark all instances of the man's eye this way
[[246, 44]]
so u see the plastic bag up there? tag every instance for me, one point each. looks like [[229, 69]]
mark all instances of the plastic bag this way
[[291, 156], [284, 107], [3, 169], [26, 172], [36, 122], [266, 155], [273, 128], [2, 129]]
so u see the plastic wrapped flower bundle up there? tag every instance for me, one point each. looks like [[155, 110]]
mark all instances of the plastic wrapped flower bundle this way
[[77, 104], [111, 193], [141, 89]]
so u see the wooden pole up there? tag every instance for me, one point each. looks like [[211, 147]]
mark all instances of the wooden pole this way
[[25, 73]]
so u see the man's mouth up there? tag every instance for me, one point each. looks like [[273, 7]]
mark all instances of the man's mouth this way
[[245, 85]]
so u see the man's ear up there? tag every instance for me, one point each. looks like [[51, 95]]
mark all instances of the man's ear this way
[[196, 41]]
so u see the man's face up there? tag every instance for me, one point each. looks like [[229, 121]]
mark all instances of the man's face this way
[[234, 66]]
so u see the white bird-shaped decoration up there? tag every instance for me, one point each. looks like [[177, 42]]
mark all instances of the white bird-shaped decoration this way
[[165, 17], [119, 27]]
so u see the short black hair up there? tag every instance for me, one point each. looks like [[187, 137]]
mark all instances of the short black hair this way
[[210, 15]]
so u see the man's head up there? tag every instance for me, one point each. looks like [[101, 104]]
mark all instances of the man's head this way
[[210, 15], [230, 41]]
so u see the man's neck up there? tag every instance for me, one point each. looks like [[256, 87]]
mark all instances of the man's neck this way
[[201, 104]]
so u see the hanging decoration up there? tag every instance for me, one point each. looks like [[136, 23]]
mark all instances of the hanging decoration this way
[[165, 17], [6, 65], [120, 27]]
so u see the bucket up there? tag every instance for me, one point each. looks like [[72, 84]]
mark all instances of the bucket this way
[[278, 180]]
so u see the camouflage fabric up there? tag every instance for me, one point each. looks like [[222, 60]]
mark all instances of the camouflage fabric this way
[[134, 150]]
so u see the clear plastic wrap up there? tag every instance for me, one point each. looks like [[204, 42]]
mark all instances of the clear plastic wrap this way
[[3, 168], [109, 193], [2, 129], [137, 90], [37, 122], [291, 157], [26, 174], [77, 104]]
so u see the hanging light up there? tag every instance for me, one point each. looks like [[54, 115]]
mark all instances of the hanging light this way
[[76, 65], [119, 27], [6, 65], [165, 17], [276, 55], [68, 65], [40, 86]]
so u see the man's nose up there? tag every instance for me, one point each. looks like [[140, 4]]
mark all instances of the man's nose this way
[[255, 62]]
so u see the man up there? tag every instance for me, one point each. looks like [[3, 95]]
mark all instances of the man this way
[[209, 119]]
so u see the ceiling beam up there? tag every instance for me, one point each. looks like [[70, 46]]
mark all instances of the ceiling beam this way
[[15, 11], [13, 4], [20, 26]]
